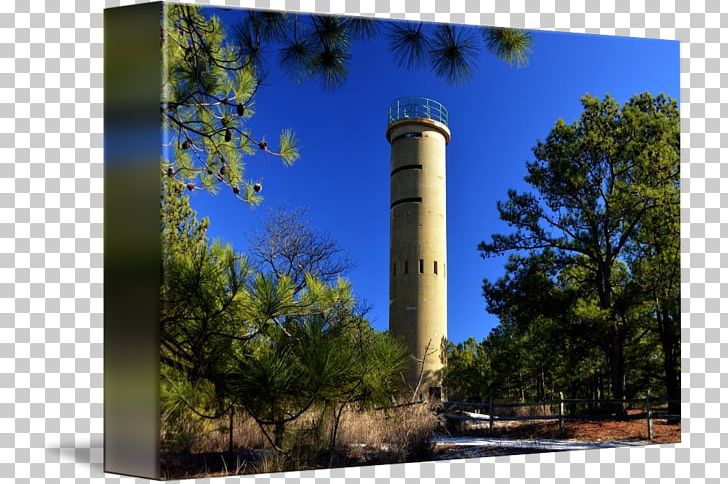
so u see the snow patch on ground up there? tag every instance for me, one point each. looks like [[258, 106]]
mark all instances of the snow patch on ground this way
[[540, 444], [476, 416]]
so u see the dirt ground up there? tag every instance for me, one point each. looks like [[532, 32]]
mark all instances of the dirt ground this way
[[611, 433], [591, 431], [584, 430]]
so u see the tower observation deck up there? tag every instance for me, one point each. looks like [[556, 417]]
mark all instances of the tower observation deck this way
[[418, 134]]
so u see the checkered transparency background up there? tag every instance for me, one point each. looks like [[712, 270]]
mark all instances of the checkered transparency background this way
[[51, 251]]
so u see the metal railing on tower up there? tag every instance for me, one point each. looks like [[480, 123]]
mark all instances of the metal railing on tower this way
[[413, 107]]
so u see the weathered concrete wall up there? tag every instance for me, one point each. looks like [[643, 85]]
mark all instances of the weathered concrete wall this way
[[418, 246]]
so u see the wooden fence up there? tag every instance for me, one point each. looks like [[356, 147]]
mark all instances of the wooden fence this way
[[652, 410]]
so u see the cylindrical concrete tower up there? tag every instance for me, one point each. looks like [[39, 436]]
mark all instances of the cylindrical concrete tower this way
[[418, 134]]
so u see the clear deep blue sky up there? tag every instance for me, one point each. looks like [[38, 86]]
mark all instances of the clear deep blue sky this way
[[343, 175]]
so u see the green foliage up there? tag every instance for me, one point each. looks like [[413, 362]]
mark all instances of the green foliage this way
[[209, 82], [238, 338], [511, 45], [409, 45], [593, 284], [319, 46], [453, 53], [288, 149], [264, 381], [383, 360], [468, 373]]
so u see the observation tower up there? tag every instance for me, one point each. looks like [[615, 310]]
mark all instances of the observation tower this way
[[418, 135]]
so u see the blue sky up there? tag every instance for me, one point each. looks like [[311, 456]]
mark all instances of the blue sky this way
[[342, 177]]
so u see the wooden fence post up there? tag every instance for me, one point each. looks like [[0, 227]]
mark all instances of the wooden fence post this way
[[490, 414], [649, 417], [561, 412]]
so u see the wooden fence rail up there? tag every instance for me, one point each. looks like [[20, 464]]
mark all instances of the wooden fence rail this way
[[631, 401], [652, 411]]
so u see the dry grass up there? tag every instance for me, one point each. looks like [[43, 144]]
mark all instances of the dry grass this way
[[268, 463], [247, 434], [402, 434], [196, 435], [183, 435], [525, 411], [363, 428], [399, 435]]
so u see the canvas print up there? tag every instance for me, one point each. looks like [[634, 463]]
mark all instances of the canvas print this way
[[390, 241]]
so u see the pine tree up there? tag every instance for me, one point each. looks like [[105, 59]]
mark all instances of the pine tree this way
[[598, 184], [208, 98]]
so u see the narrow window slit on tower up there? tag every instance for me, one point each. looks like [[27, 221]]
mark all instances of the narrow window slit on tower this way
[[406, 200], [406, 167], [435, 267], [405, 266], [422, 266], [394, 269], [407, 135]]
